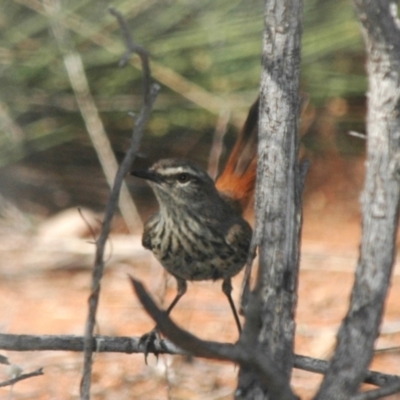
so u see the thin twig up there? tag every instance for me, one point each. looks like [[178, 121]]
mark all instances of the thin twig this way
[[321, 366], [22, 377], [131, 46], [390, 349], [150, 94], [87, 223], [378, 393]]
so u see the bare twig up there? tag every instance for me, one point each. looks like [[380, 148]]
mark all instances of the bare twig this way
[[99, 344], [378, 393], [390, 349], [321, 366], [87, 223], [150, 94], [22, 377], [131, 46]]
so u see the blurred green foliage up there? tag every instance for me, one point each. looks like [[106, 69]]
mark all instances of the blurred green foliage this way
[[205, 54]]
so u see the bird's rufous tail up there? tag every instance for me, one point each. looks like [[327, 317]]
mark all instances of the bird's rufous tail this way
[[237, 180]]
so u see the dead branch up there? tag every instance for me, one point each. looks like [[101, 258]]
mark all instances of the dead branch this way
[[379, 393], [131, 345], [380, 203], [249, 356], [99, 344], [150, 94], [22, 377], [321, 366], [278, 196]]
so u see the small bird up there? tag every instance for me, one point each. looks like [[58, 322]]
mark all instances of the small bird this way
[[199, 232]]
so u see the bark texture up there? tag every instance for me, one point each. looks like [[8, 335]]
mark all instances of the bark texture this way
[[380, 202], [278, 194]]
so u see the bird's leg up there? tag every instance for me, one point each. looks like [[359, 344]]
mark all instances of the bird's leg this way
[[182, 287], [227, 289], [149, 340]]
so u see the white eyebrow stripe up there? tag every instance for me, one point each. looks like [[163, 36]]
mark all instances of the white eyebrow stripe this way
[[175, 170]]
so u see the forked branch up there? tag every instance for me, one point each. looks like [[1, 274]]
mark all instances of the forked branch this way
[[238, 353]]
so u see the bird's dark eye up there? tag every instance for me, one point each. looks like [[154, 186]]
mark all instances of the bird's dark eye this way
[[183, 178]]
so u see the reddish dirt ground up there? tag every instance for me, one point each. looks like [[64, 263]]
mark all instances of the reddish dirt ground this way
[[44, 286]]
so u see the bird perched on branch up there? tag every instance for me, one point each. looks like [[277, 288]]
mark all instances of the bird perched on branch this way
[[199, 232]]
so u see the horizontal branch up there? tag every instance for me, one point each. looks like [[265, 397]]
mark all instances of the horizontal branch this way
[[22, 377], [321, 366], [130, 345], [100, 344], [379, 393]]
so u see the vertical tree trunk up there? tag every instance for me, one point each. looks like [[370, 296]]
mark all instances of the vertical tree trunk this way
[[380, 202], [278, 192]]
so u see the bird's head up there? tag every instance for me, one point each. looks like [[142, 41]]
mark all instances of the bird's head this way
[[179, 183]]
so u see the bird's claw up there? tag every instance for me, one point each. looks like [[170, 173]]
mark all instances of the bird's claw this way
[[150, 343]]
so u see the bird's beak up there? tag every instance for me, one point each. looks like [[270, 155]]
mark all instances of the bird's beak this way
[[148, 175]]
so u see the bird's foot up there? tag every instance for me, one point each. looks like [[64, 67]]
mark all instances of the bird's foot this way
[[150, 343]]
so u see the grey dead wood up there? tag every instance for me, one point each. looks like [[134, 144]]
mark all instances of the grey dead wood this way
[[131, 345], [378, 393], [22, 377], [321, 366], [261, 364], [278, 200], [150, 94], [99, 344], [380, 203]]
